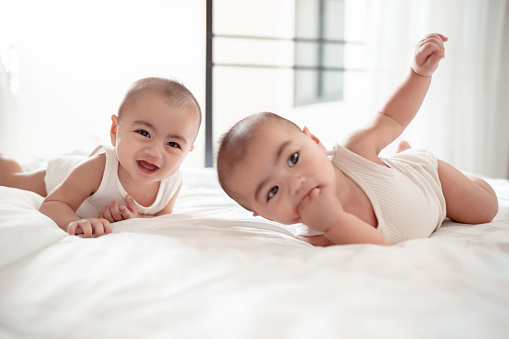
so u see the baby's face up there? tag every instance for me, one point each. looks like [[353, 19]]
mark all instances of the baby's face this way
[[280, 168], [153, 139]]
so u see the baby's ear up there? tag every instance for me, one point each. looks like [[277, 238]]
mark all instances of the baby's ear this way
[[113, 129], [313, 137]]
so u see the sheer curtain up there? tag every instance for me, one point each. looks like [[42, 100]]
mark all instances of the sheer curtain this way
[[8, 107], [465, 117], [8, 116]]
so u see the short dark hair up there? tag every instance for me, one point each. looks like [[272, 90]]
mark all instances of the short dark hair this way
[[172, 92]]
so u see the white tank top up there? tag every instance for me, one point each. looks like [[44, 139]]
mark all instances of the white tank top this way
[[406, 195], [110, 187]]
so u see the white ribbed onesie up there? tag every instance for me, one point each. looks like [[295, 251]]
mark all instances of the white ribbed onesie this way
[[406, 195], [110, 187]]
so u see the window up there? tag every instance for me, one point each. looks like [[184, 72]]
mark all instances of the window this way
[[319, 51], [270, 55]]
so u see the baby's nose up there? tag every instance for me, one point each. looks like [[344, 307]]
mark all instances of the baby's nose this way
[[154, 151], [296, 184]]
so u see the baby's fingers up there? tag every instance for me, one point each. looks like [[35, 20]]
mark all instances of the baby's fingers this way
[[431, 43], [89, 227], [131, 210], [435, 38], [307, 202], [83, 225], [131, 205], [115, 211], [106, 214], [126, 213], [71, 228], [430, 53], [100, 227], [430, 47], [111, 212]]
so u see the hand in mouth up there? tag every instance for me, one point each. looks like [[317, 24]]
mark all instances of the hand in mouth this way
[[308, 193], [298, 219]]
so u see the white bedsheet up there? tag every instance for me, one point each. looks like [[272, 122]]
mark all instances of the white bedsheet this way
[[211, 270]]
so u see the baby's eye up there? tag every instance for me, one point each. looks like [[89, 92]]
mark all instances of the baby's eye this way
[[272, 192], [173, 144], [143, 132], [292, 160]]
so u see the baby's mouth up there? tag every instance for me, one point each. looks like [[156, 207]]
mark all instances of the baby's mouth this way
[[147, 167], [308, 192]]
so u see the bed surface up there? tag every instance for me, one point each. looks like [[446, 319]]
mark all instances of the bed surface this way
[[211, 270]]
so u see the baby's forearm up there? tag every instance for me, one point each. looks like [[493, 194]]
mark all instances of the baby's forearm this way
[[349, 229], [406, 101], [59, 212]]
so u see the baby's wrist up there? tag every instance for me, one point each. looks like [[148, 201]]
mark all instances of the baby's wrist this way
[[416, 72]]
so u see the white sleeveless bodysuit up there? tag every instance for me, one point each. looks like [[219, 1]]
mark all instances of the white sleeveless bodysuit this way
[[406, 195], [110, 187]]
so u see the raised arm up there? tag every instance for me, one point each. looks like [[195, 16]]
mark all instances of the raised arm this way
[[402, 106]]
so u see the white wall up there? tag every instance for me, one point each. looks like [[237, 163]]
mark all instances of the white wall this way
[[77, 58]]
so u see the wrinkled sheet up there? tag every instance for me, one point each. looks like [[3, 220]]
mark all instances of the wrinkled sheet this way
[[211, 270]]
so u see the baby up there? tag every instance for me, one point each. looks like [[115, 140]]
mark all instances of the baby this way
[[154, 131], [276, 170]]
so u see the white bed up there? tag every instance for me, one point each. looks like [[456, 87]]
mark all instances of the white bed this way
[[211, 270]]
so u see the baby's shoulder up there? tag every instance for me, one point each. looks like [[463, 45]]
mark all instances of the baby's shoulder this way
[[359, 142], [87, 175], [94, 164]]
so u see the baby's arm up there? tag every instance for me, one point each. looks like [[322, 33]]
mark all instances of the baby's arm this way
[[403, 105], [322, 211], [61, 204]]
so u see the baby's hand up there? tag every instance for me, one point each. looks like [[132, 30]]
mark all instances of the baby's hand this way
[[317, 209], [428, 53], [113, 212], [89, 226]]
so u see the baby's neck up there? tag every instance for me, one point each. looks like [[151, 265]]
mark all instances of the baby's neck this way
[[144, 195]]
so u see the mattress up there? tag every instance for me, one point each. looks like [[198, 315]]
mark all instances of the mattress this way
[[212, 270]]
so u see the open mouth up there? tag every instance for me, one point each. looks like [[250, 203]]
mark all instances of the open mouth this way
[[147, 167]]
